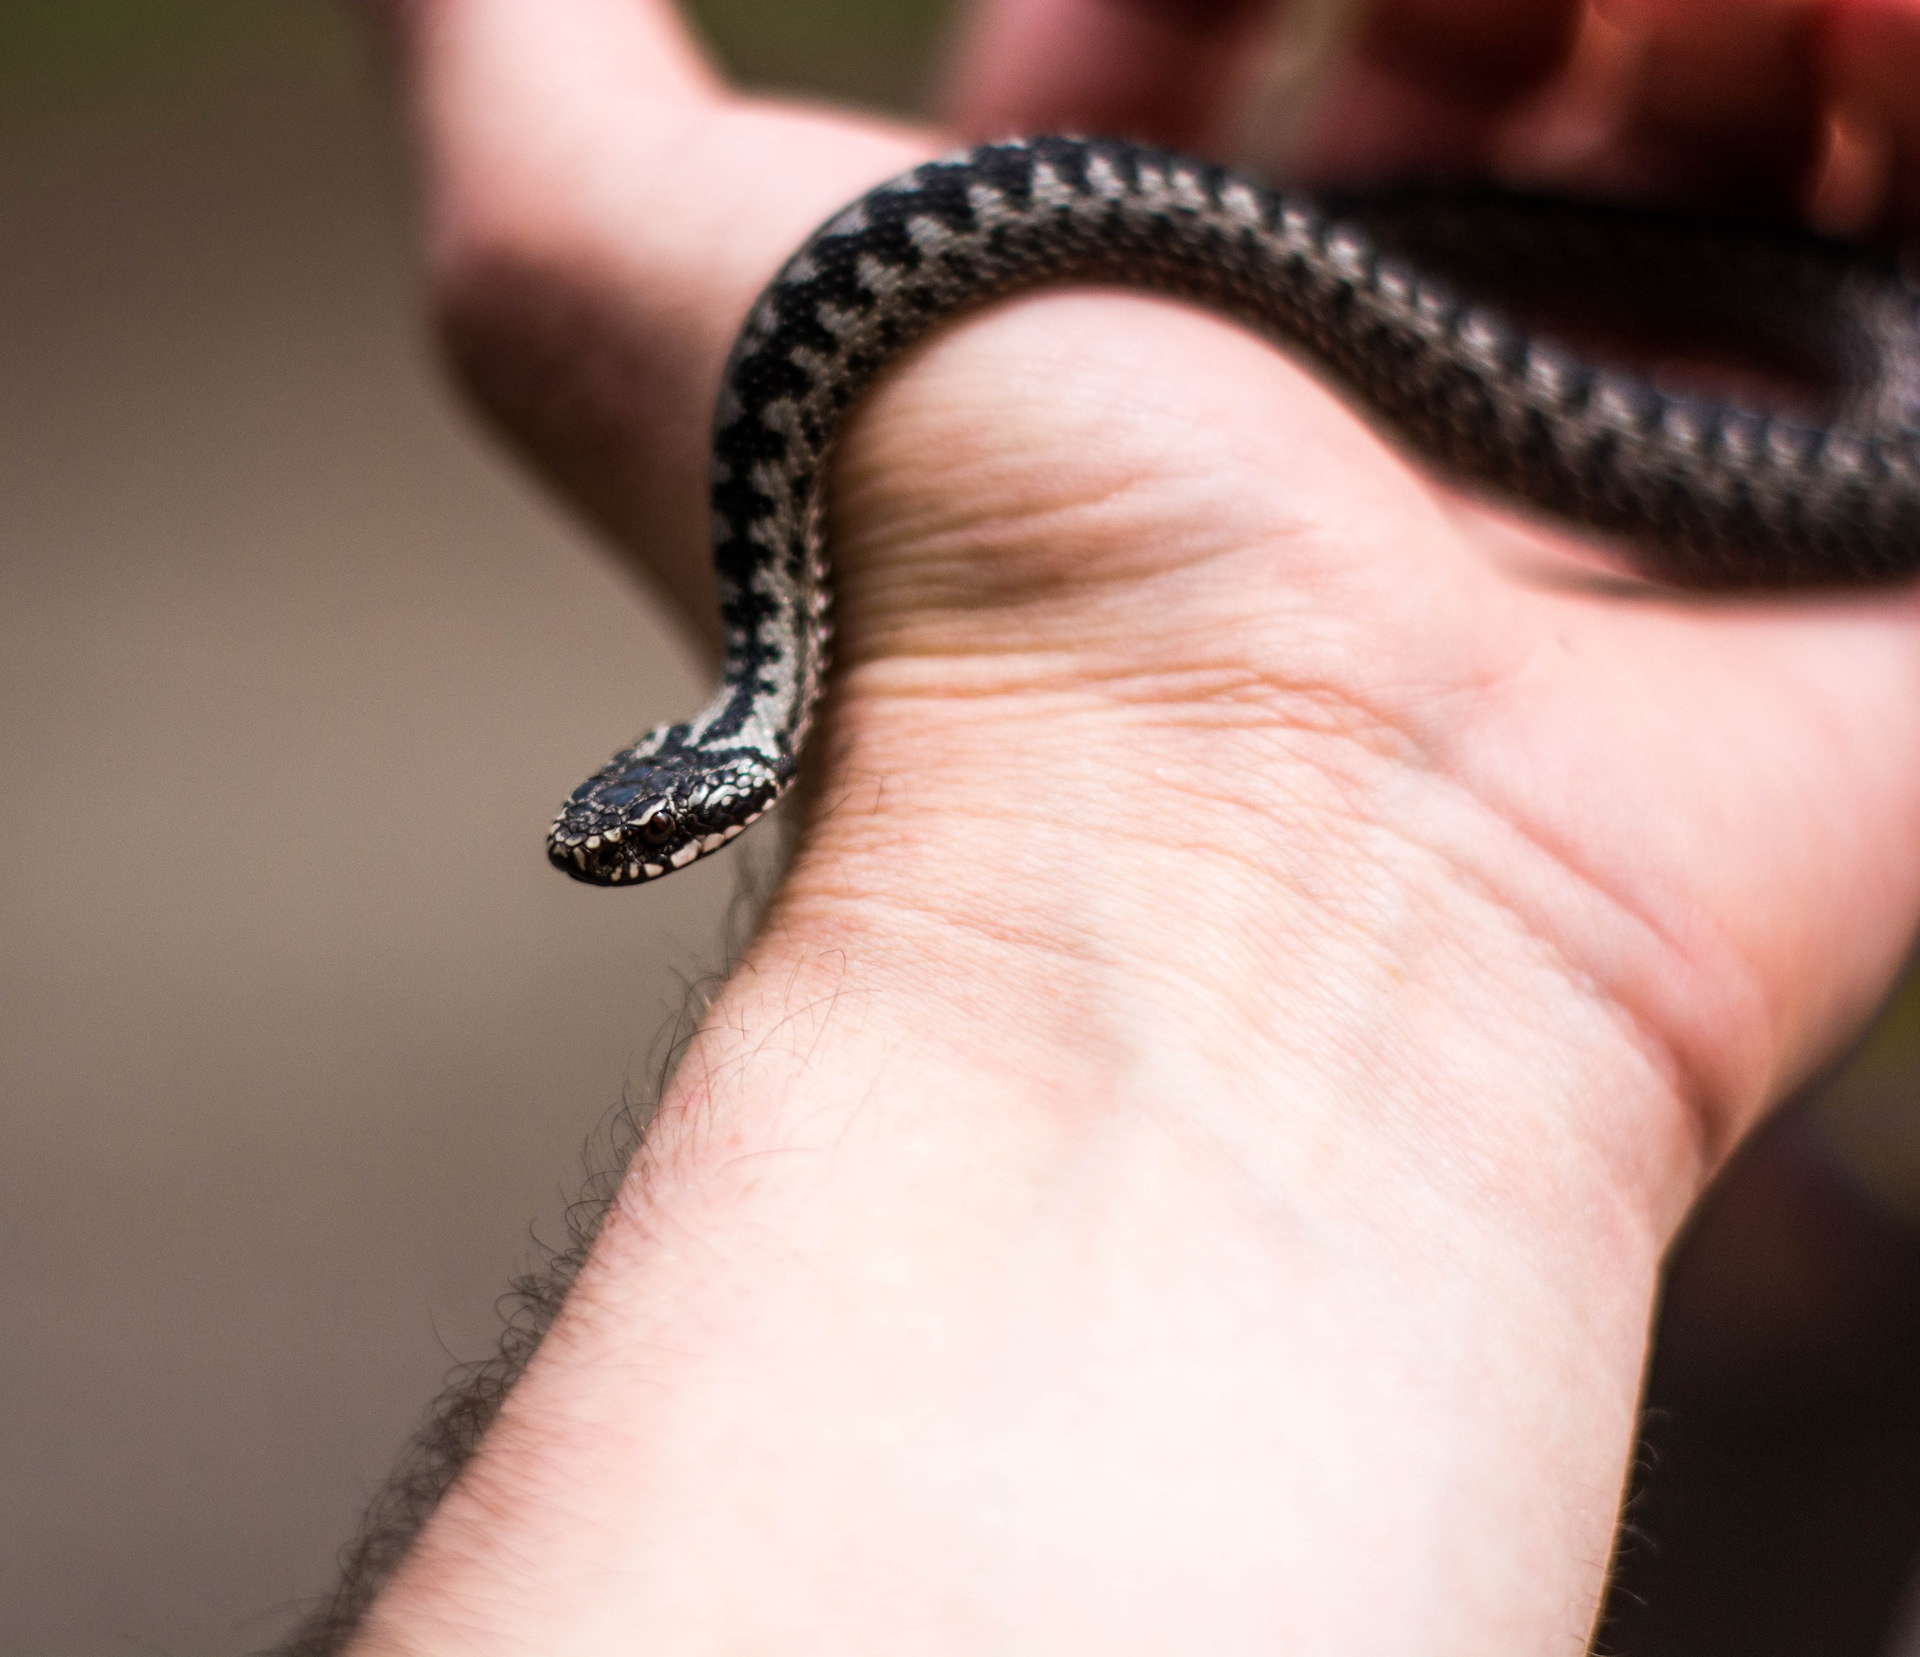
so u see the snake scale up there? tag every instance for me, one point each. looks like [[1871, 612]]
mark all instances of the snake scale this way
[[1420, 305]]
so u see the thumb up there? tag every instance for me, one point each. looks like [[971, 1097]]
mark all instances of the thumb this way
[[1872, 65], [600, 213], [510, 98]]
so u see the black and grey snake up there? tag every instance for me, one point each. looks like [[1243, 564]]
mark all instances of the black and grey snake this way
[[1423, 305]]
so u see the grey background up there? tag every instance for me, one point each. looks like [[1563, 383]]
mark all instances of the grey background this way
[[300, 1041]]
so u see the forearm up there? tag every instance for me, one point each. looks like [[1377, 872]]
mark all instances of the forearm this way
[[985, 1286]]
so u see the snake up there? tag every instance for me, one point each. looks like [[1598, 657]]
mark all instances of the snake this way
[[1482, 329]]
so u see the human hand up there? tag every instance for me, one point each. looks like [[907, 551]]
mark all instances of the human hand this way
[[602, 210], [1268, 962]]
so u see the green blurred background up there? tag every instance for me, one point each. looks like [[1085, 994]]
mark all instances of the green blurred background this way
[[880, 52], [290, 1089]]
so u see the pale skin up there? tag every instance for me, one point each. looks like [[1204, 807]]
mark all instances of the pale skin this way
[[1273, 951]]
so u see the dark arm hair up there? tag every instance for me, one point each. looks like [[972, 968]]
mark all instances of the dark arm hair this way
[[457, 1420]]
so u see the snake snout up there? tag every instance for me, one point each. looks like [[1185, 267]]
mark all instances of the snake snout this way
[[625, 826], [641, 818]]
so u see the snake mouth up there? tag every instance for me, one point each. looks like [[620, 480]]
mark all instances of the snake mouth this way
[[614, 857], [610, 853]]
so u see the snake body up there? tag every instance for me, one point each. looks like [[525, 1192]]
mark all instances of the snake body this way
[[1414, 303]]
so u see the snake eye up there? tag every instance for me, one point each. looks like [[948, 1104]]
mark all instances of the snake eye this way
[[657, 829]]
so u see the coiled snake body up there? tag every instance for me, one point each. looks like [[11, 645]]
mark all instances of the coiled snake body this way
[[1415, 303]]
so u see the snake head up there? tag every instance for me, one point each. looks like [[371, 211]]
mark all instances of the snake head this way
[[652, 811]]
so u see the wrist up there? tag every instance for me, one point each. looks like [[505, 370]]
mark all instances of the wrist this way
[[969, 1264], [1050, 896]]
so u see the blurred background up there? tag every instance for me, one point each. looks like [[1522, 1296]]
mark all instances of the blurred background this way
[[297, 1074]]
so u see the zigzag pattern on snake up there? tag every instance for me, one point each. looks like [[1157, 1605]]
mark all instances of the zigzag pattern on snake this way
[[1410, 302]]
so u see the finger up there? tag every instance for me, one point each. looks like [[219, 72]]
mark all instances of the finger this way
[[1723, 107], [1483, 54], [1871, 67], [1427, 86], [1161, 71]]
